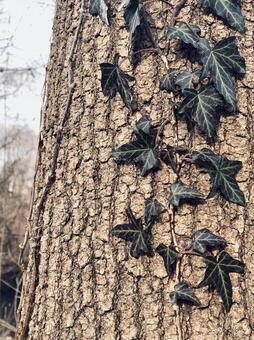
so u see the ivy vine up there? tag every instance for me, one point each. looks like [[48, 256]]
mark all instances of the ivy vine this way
[[205, 94]]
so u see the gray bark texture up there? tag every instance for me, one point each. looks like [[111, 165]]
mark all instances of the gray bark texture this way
[[81, 283]]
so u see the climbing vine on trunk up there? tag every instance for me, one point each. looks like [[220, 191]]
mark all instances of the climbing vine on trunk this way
[[203, 96]]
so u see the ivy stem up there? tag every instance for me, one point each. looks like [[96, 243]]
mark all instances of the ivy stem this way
[[160, 130]]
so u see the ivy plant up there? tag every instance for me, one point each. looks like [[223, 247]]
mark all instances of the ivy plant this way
[[204, 242], [183, 293], [143, 151], [222, 172], [228, 10], [170, 257], [138, 25], [217, 275], [138, 232], [114, 80], [223, 62], [99, 8], [181, 193], [202, 106], [202, 95]]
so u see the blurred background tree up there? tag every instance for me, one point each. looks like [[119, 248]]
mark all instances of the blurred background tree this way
[[18, 147], [23, 57]]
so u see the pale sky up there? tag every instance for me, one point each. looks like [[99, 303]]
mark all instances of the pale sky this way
[[29, 22]]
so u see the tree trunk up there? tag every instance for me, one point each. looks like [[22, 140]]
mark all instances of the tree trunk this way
[[81, 283]]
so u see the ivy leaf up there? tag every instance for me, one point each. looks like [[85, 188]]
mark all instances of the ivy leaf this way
[[136, 20], [217, 275], [170, 256], [181, 193], [167, 155], [135, 233], [229, 10], [203, 106], [223, 61], [152, 211], [222, 172], [143, 126], [132, 15], [114, 80], [167, 82], [173, 78], [183, 293], [184, 80], [204, 240], [141, 151], [183, 32], [99, 8]]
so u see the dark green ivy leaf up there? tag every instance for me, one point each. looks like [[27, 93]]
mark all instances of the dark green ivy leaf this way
[[136, 19], [141, 151], [183, 293], [203, 106], [183, 32], [168, 155], [181, 193], [173, 79], [99, 8], [204, 240], [229, 10], [184, 80], [152, 211], [222, 172], [135, 233], [132, 15], [114, 80], [170, 256], [143, 126], [223, 61], [167, 82], [217, 275]]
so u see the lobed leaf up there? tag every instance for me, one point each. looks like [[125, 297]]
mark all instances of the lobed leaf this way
[[114, 80], [170, 256], [204, 240], [217, 275], [181, 193], [223, 62], [141, 151], [183, 32], [183, 293], [185, 80], [167, 82], [203, 106], [152, 211], [174, 80], [136, 20], [229, 10], [99, 8], [222, 172], [132, 15], [135, 233]]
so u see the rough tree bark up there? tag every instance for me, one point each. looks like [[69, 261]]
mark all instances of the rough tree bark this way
[[80, 282]]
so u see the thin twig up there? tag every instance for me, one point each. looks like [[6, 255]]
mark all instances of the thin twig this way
[[7, 325], [22, 247], [160, 130], [175, 13]]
